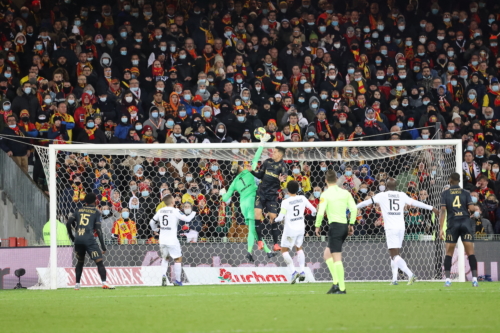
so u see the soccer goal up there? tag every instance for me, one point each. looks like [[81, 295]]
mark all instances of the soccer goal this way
[[134, 178]]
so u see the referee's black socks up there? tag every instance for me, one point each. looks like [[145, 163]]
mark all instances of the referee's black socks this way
[[275, 232], [447, 266], [473, 265]]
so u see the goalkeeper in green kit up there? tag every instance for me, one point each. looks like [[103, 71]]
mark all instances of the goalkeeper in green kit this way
[[244, 184]]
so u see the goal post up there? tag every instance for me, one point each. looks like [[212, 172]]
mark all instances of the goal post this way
[[220, 242]]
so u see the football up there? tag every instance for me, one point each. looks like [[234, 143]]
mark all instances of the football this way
[[259, 132]]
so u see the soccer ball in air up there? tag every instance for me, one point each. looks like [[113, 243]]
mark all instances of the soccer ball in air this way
[[259, 132]]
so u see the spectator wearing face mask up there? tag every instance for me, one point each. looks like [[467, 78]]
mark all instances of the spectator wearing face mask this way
[[26, 99], [157, 124], [123, 128], [125, 229], [481, 225], [91, 133], [349, 178], [304, 181], [193, 194]]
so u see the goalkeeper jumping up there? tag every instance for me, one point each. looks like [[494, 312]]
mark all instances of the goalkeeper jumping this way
[[244, 184]]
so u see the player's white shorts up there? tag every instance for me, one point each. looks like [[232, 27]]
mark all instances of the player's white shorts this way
[[174, 251], [394, 238], [290, 239]]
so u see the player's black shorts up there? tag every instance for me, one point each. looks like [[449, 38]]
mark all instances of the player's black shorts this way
[[93, 250], [337, 233], [460, 228], [271, 204]]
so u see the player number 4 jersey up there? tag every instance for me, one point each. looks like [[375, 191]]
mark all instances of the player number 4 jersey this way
[[168, 219], [292, 210]]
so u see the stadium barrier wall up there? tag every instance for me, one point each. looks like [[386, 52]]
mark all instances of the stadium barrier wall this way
[[27, 198], [227, 256]]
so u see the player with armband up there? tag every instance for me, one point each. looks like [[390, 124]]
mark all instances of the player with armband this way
[[272, 172], [244, 184], [86, 221], [292, 211], [392, 203], [168, 218]]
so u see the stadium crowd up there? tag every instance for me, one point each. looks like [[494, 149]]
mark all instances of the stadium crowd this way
[[180, 72]]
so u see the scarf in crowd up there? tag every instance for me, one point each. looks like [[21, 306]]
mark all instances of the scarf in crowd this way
[[472, 172], [208, 61], [209, 37], [80, 66], [5, 114], [474, 68], [157, 71], [372, 124], [17, 130], [309, 72], [79, 193], [108, 22], [148, 138], [322, 126], [59, 139], [443, 103], [356, 55], [497, 98], [361, 87], [373, 22], [192, 53], [294, 82], [409, 53], [90, 132], [295, 129], [14, 65], [474, 102], [162, 104], [336, 103], [243, 69], [457, 92], [230, 42], [349, 98], [353, 136], [363, 65]]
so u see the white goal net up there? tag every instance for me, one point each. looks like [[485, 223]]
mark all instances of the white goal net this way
[[134, 178]]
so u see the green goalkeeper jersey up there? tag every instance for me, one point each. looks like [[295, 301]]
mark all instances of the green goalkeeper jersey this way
[[244, 183]]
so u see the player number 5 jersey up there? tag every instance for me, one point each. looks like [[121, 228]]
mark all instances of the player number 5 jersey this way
[[292, 210], [168, 219]]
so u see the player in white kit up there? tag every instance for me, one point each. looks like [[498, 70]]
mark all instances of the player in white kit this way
[[392, 204], [168, 218], [292, 211]]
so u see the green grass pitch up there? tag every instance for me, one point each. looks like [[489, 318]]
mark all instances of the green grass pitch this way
[[423, 307]]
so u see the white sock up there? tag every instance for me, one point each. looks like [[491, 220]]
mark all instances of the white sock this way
[[178, 271], [394, 268], [289, 262], [448, 280], [302, 260], [164, 264], [402, 266], [474, 279]]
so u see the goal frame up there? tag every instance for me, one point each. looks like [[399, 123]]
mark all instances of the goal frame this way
[[54, 148]]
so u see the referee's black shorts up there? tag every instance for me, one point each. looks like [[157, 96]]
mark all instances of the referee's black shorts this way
[[337, 233]]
